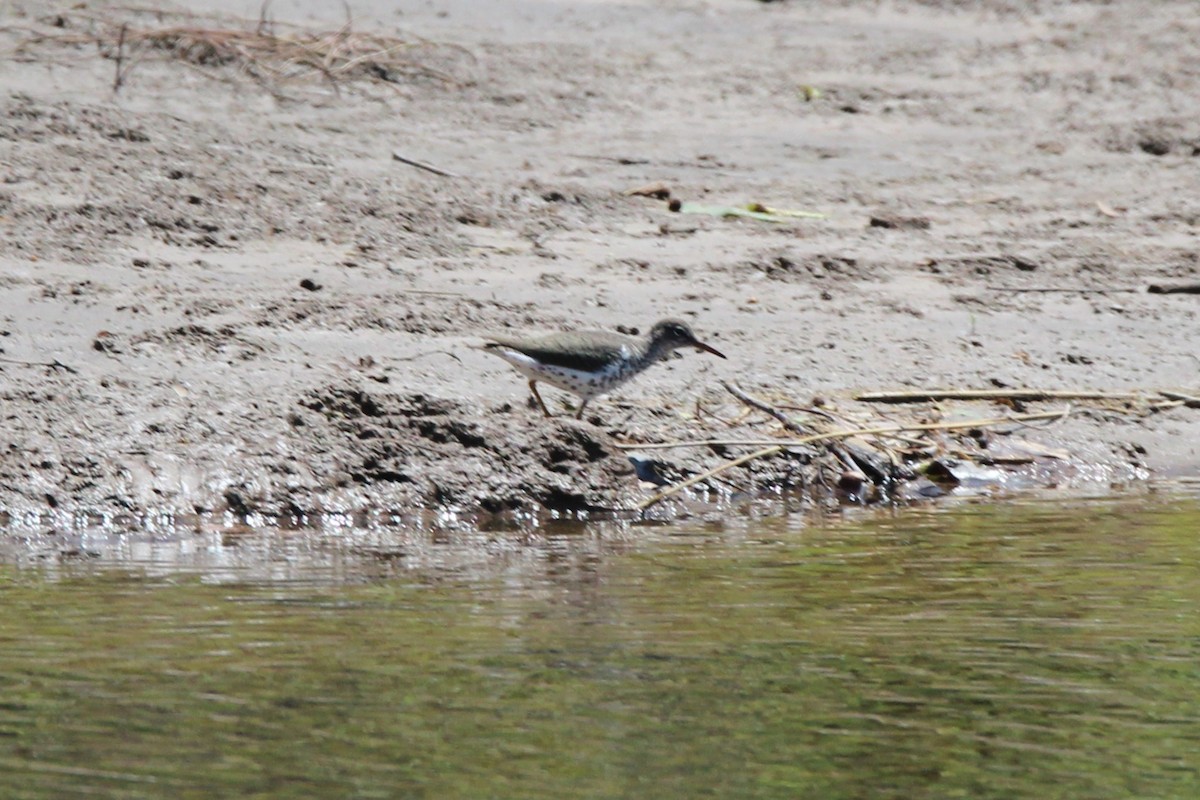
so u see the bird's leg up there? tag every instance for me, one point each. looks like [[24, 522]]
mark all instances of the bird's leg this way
[[582, 406], [538, 397]]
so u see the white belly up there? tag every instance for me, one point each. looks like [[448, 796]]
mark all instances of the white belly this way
[[584, 384]]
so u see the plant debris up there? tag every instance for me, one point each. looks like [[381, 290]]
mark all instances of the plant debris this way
[[867, 460], [749, 211], [265, 50]]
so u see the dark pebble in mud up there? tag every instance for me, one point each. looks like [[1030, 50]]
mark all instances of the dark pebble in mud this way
[[897, 222]]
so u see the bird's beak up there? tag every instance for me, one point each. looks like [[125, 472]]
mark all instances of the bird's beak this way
[[699, 345]]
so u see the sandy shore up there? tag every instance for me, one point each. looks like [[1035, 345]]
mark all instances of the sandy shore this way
[[259, 309]]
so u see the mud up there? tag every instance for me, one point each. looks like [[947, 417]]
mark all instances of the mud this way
[[248, 305]]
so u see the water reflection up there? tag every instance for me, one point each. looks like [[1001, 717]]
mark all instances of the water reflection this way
[[993, 651]]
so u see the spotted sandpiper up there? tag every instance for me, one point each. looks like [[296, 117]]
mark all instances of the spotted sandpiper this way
[[591, 363]]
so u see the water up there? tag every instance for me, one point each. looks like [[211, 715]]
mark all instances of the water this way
[[1048, 651]]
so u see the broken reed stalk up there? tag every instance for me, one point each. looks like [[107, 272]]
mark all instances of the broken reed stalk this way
[[820, 437], [1188, 400], [1057, 290], [876, 431], [923, 395]]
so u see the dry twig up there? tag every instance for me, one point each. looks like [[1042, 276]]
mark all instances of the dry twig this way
[[55, 364], [430, 353], [1184, 288], [923, 395], [1058, 290], [119, 76], [820, 437], [764, 407], [424, 166], [1188, 400], [857, 458], [876, 431]]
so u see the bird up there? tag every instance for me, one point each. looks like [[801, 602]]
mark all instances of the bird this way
[[592, 363]]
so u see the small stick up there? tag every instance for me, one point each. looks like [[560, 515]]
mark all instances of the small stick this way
[[421, 165], [264, 24], [1065, 289], [1066, 412], [709, 443], [665, 493], [430, 292], [879, 431], [990, 394], [754, 402], [622, 160], [119, 77], [55, 364], [816, 412], [779, 448], [430, 353], [1185, 288], [1191, 401]]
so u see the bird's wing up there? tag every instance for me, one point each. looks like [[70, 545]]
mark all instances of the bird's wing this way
[[566, 351]]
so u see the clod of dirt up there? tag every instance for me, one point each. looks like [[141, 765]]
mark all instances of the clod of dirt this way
[[105, 342], [657, 190], [982, 265], [402, 447], [900, 222], [1160, 137], [225, 340], [800, 269]]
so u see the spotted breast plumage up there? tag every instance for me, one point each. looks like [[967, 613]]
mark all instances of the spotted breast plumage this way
[[591, 363]]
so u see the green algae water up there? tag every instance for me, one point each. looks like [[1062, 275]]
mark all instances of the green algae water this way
[[1048, 651]]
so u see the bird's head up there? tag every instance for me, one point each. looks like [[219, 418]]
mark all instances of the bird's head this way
[[672, 334]]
